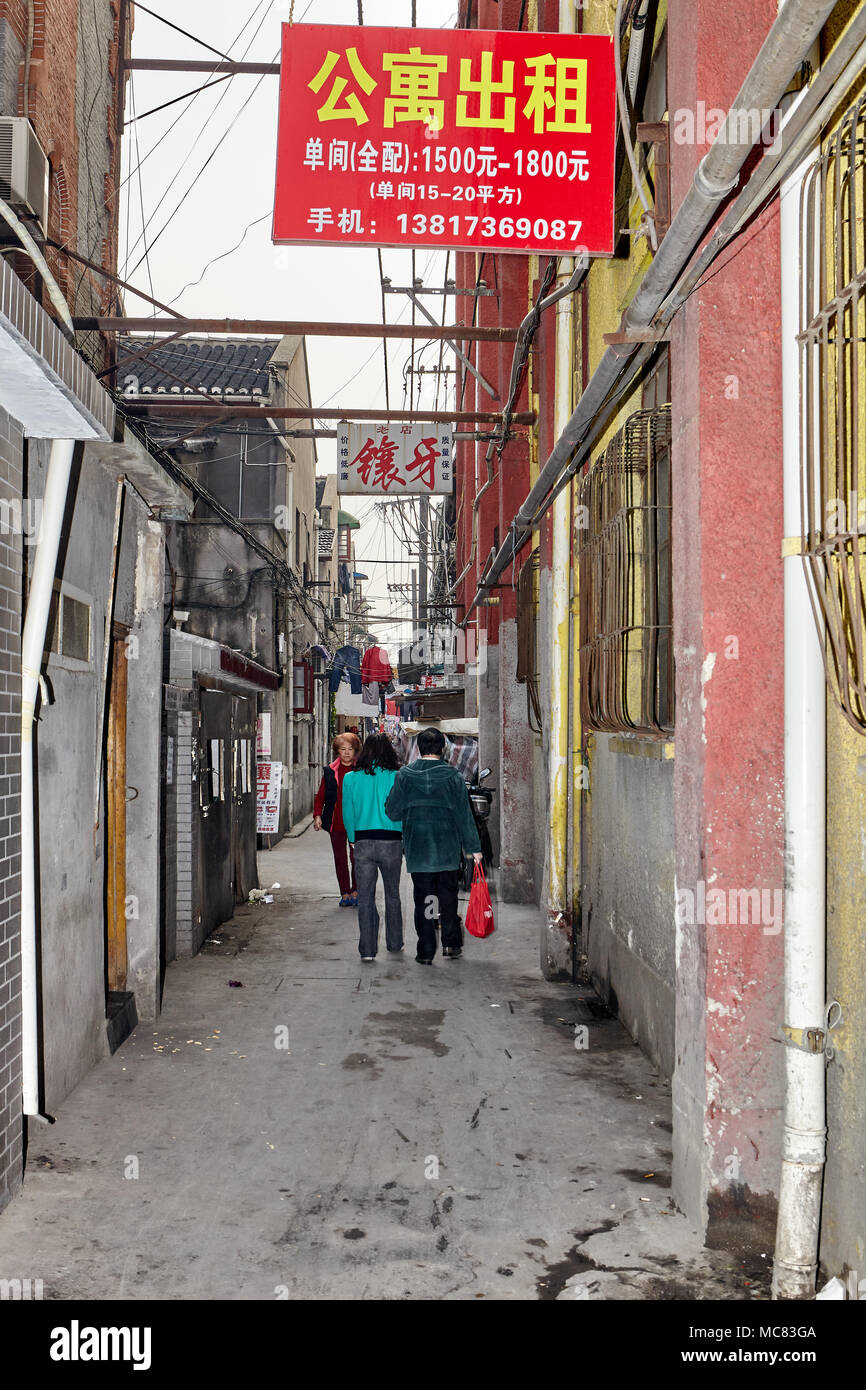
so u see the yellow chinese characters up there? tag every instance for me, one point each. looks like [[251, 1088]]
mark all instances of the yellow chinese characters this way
[[487, 88], [415, 88], [567, 101], [352, 108]]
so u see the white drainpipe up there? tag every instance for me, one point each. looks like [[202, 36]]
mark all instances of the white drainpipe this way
[[804, 1135], [32, 647]]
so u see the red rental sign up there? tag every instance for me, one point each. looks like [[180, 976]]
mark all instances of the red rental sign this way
[[460, 138]]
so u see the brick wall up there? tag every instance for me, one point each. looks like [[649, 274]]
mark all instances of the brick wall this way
[[11, 1133], [71, 101]]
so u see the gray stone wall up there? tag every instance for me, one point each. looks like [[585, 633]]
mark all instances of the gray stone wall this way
[[628, 888], [11, 1129]]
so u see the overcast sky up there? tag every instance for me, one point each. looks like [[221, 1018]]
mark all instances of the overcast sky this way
[[198, 174]]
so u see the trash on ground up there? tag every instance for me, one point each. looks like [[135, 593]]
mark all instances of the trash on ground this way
[[236, 984]]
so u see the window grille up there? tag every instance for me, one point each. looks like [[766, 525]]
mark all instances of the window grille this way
[[527, 639], [832, 381], [624, 564]]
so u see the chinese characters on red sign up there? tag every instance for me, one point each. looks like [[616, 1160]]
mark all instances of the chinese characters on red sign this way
[[459, 138], [394, 459]]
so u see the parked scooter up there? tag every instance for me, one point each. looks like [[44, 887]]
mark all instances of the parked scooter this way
[[481, 800]]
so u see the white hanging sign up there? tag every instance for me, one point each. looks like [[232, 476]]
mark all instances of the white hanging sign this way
[[269, 778], [393, 459]]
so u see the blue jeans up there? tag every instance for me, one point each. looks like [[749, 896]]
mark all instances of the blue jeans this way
[[373, 857]]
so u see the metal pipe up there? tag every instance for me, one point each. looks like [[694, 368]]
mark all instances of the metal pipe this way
[[33, 639], [281, 328], [199, 65], [789, 40], [183, 406], [625, 116], [560, 606], [55, 293], [635, 49], [804, 1133], [799, 134]]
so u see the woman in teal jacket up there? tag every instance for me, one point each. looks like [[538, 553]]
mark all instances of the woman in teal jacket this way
[[378, 843]]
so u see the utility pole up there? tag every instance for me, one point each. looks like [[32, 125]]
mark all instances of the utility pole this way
[[423, 583], [414, 605]]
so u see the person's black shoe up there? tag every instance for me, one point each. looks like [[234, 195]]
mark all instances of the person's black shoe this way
[[452, 952], [424, 960]]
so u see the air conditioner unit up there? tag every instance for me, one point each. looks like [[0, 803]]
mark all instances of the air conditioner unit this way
[[24, 169]]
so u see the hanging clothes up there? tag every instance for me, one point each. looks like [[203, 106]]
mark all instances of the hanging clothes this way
[[376, 666], [345, 580], [370, 693], [347, 661]]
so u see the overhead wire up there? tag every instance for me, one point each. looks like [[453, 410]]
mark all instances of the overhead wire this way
[[192, 99], [211, 116]]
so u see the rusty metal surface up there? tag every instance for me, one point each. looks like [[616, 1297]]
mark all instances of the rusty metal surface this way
[[832, 379], [306, 328], [624, 559]]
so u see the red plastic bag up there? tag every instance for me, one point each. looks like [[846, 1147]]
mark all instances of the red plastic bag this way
[[479, 913]]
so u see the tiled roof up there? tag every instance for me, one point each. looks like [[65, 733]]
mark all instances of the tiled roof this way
[[326, 543], [218, 366]]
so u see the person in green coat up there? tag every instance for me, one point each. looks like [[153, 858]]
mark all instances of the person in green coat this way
[[429, 797]]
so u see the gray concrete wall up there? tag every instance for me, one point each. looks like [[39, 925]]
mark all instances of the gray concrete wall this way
[[517, 854], [490, 740], [70, 759], [71, 826], [628, 888], [11, 545], [144, 770]]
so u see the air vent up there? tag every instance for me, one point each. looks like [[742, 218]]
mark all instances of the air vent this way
[[24, 168]]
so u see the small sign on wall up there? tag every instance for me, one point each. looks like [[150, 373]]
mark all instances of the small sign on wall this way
[[263, 738], [268, 788]]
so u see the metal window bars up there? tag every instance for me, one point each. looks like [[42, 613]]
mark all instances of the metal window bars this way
[[527, 638], [832, 381], [624, 564]]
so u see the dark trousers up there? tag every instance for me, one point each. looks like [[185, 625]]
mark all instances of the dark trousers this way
[[344, 862], [373, 857], [436, 897]]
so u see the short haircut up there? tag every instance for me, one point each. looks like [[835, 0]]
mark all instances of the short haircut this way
[[349, 738], [431, 741]]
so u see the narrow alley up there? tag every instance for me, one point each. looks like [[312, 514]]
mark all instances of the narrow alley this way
[[426, 1134]]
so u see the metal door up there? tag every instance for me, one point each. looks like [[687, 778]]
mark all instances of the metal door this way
[[215, 879], [243, 748]]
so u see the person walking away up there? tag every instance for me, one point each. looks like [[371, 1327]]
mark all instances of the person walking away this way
[[430, 798], [377, 841], [328, 813]]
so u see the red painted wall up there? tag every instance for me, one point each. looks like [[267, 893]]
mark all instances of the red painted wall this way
[[728, 614]]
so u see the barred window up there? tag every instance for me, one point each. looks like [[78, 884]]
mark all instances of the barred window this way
[[624, 565], [832, 376], [527, 639]]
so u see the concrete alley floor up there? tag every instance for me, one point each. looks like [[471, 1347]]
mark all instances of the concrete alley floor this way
[[428, 1133]]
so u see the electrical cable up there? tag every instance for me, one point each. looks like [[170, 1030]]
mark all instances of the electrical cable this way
[[193, 283], [203, 168], [192, 99], [178, 30], [211, 116]]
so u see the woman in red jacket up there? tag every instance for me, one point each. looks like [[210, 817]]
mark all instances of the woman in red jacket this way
[[328, 814]]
